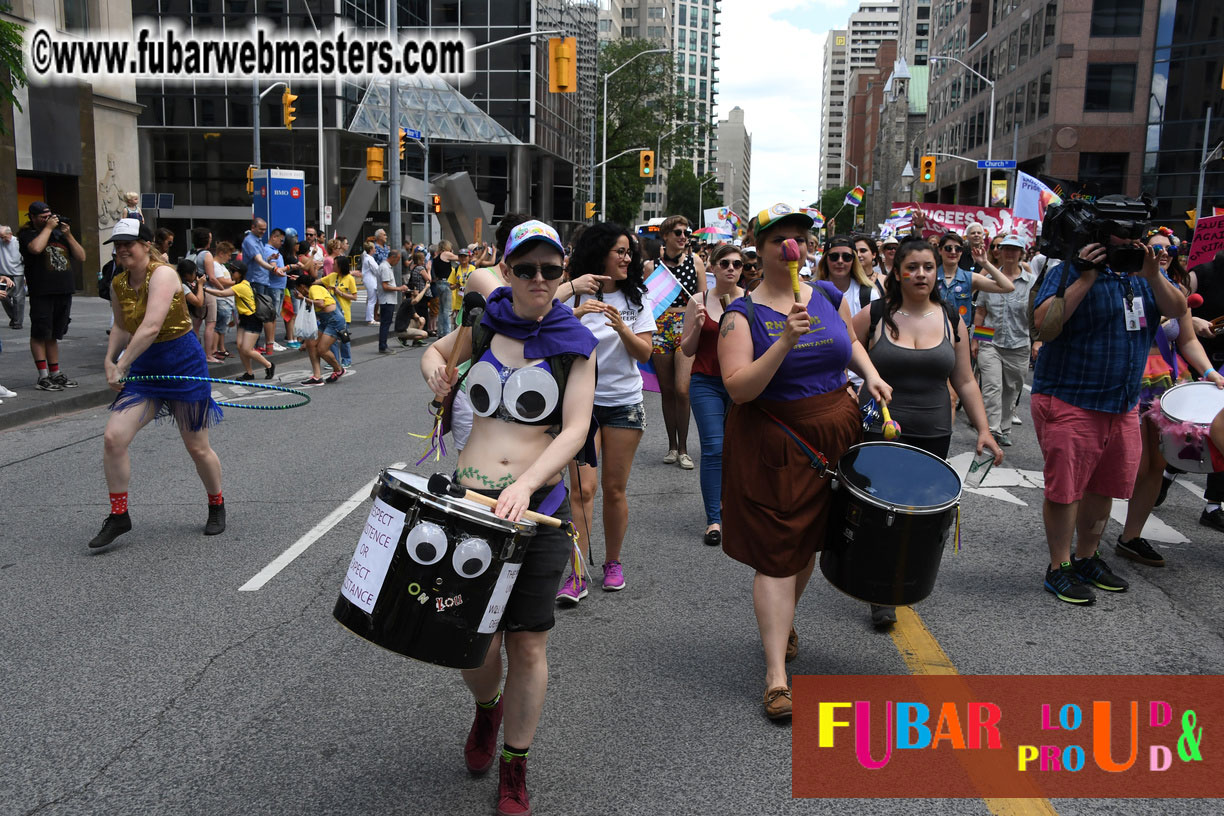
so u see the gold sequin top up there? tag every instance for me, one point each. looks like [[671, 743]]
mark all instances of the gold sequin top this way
[[135, 301]]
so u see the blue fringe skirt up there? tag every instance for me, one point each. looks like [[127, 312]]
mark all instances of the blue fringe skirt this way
[[186, 403]]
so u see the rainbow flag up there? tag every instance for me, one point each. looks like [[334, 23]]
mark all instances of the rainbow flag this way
[[855, 197], [984, 333], [818, 218], [650, 380]]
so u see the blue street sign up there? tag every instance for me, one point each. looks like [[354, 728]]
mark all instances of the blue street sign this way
[[996, 164], [412, 134]]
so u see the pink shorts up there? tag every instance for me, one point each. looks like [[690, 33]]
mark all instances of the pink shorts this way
[[1086, 451]]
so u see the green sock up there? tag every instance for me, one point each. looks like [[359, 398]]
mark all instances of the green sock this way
[[492, 703], [510, 753]]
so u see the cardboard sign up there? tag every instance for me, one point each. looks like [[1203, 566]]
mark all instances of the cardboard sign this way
[[941, 218], [368, 569], [1208, 240]]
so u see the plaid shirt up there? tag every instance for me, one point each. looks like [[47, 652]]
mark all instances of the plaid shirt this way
[[1095, 363]]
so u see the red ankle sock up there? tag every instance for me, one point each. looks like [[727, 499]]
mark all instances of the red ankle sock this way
[[215, 501], [54, 368], [41, 365], [118, 503]]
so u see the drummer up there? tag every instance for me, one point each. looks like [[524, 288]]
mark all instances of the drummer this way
[[520, 460], [783, 360]]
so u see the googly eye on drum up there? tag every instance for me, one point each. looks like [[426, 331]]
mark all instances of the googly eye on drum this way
[[484, 387], [472, 557], [530, 393], [426, 543]]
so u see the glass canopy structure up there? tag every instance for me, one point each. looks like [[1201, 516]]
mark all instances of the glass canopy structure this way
[[431, 105]]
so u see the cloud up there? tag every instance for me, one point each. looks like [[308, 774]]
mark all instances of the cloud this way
[[771, 58]]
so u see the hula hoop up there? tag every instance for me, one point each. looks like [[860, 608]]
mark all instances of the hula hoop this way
[[244, 383]]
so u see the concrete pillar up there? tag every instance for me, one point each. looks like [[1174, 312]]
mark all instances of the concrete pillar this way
[[520, 179]]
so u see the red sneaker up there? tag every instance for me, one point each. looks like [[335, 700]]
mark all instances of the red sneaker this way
[[512, 788], [481, 745], [335, 375]]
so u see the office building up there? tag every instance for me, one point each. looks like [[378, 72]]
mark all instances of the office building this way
[[833, 110], [733, 161]]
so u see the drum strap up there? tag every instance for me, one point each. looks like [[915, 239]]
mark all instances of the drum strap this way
[[818, 460]]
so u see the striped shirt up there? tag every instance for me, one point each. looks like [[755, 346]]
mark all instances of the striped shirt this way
[[1095, 363]]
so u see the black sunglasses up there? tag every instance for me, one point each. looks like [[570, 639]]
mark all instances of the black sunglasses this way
[[953, 248], [527, 271], [729, 264], [845, 257], [684, 232]]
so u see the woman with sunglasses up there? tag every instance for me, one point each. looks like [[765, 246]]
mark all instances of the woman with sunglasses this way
[[675, 370], [957, 285], [708, 394], [517, 451], [752, 269], [840, 266], [1158, 377], [783, 362], [622, 323]]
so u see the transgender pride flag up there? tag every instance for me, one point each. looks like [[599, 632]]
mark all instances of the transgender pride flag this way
[[661, 289]]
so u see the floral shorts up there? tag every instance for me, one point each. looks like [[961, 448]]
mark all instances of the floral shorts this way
[[668, 329]]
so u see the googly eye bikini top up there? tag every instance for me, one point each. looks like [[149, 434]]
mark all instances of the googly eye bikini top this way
[[525, 395]]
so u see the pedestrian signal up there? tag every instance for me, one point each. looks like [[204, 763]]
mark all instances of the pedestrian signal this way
[[437, 202]]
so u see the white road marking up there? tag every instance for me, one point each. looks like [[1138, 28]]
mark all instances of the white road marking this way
[[1153, 530], [302, 544]]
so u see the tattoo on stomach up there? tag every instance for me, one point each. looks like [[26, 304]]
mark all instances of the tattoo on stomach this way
[[492, 484]]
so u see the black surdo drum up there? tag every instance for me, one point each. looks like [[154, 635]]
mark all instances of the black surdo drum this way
[[891, 509], [431, 574]]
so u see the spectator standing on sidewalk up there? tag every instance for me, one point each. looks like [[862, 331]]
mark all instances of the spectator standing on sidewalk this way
[[388, 297], [381, 250], [47, 250], [163, 240], [13, 267], [277, 278], [369, 280], [6, 289]]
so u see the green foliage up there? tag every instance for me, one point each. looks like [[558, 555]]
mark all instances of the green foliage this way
[[11, 60], [830, 203], [683, 197], [642, 104]]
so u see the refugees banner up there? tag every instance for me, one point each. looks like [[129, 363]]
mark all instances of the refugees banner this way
[[941, 218]]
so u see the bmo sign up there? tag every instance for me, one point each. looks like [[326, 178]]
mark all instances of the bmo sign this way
[[279, 199]]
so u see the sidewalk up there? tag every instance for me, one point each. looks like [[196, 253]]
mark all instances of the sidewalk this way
[[81, 354]]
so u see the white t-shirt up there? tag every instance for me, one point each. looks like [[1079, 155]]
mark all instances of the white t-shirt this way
[[619, 382], [852, 296], [386, 275]]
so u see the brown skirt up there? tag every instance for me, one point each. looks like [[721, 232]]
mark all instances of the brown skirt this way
[[774, 503]]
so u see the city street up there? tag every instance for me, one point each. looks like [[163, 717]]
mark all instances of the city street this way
[[158, 677]]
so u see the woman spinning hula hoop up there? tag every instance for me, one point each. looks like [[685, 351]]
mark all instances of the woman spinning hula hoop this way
[[152, 336], [523, 435]]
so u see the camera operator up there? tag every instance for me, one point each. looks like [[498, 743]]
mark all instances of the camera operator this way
[[48, 249], [1085, 395]]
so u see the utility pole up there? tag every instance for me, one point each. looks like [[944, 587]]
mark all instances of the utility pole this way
[[255, 116], [396, 236]]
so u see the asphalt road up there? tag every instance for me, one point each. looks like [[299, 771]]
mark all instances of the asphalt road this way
[[142, 680]]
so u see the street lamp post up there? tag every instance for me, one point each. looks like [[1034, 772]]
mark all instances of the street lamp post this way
[[603, 183], [700, 190], [990, 132], [855, 166]]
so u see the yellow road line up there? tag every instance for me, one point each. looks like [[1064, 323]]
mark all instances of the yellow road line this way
[[923, 655]]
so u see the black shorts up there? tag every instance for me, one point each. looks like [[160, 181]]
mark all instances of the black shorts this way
[[50, 316], [250, 323], [534, 597]]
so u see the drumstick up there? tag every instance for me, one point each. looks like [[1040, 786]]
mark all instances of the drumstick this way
[[790, 254], [440, 485], [891, 428], [472, 302]]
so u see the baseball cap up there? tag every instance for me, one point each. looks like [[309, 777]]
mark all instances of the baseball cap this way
[[779, 213], [38, 207], [128, 229], [530, 231], [464, 251], [1012, 240]]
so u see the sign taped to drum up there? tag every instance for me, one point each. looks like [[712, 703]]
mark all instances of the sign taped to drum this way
[[368, 569]]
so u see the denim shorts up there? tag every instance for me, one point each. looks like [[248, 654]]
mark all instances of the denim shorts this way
[[225, 313], [629, 417], [330, 323]]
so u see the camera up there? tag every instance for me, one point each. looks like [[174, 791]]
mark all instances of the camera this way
[[1074, 224], [3, 286]]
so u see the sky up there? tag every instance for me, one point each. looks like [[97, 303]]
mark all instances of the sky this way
[[771, 56]]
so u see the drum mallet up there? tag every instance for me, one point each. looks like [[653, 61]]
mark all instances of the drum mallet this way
[[790, 254], [440, 485], [891, 428]]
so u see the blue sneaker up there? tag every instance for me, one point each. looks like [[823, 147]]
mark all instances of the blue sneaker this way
[[1066, 585], [1095, 571]]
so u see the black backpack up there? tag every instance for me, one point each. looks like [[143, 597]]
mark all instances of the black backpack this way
[[104, 279]]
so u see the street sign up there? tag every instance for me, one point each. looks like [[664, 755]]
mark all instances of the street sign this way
[[327, 215], [412, 134], [996, 164]]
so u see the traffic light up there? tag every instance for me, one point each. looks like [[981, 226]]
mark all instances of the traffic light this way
[[926, 173], [437, 202], [287, 109], [588, 210], [251, 180], [403, 142], [374, 163], [646, 165], [562, 65]]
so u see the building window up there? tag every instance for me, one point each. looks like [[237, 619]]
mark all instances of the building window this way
[[1043, 104], [1051, 17], [1107, 170], [76, 15], [1116, 18], [1024, 44], [656, 13], [1037, 32], [683, 15], [1110, 86], [628, 12], [656, 32], [605, 26]]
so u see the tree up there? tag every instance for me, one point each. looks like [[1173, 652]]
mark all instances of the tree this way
[[642, 104], [683, 193], [830, 203], [12, 60]]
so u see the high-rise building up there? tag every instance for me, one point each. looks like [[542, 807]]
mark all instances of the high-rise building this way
[[914, 32], [872, 24], [833, 110], [733, 161], [1073, 85]]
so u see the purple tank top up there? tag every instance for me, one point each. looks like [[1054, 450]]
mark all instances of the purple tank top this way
[[817, 363]]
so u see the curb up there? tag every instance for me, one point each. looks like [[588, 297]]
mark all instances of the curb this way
[[95, 398]]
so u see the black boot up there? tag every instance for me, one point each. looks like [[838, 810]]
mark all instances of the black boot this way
[[116, 524], [216, 519]]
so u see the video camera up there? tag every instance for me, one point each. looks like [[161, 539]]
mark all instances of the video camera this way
[[1074, 224]]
